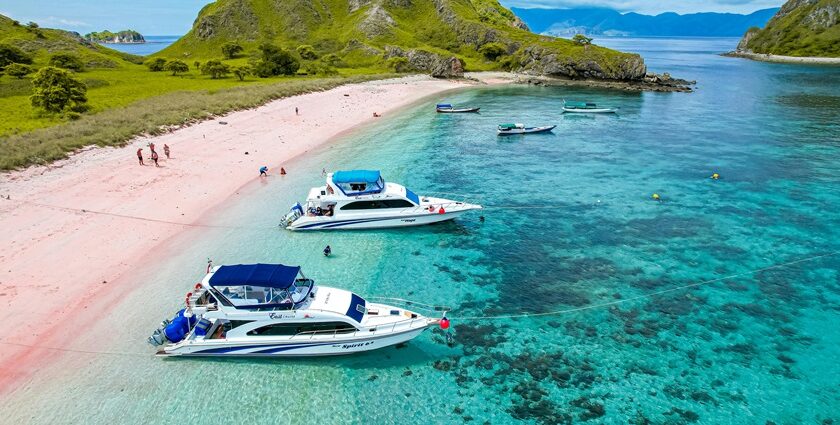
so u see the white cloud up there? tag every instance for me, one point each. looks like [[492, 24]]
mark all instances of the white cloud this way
[[53, 21]]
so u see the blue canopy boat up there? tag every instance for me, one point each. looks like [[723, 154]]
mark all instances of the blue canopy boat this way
[[446, 108]]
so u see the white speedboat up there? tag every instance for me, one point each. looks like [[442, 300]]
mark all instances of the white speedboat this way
[[506, 129], [361, 199], [446, 108], [585, 108], [274, 310]]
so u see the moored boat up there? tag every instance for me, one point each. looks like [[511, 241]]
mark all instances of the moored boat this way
[[508, 129], [586, 108], [274, 310], [361, 199], [446, 108]]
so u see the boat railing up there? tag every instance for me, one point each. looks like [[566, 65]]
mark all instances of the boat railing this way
[[386, 328], [413, 305]]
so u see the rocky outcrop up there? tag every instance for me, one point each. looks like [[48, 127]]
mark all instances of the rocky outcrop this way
[[745, 40], [436, 65], [542, 61], [120, 37], [519, 23], [377, 21]]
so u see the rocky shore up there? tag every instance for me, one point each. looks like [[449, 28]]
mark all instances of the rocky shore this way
[[650, 82], [782, 59]]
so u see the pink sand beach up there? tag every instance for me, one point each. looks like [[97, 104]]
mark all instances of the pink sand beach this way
[[72, 228]]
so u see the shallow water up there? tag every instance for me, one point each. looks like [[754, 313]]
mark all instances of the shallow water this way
[[569, 224]]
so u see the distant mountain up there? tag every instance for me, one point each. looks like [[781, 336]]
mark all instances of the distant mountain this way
[[565, 22], [800, 28]]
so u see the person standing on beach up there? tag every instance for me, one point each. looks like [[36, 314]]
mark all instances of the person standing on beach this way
[[140, 156], [263, 171], [296, 111], [166, 150], [282, 171], [155, 158], [152, 147]]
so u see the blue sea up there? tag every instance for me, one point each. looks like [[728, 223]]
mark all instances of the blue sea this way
[[710, 306], [153, 44]]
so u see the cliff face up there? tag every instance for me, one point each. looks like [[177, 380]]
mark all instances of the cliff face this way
[[430, 34], [127, 36], [799, 28]]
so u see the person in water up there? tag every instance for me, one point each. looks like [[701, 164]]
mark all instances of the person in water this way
[[155, 158], [327, 251], [263, 171], [140, 156], [282, 171], [166, 150]]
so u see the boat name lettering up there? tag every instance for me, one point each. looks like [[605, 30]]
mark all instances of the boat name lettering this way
[[359, 344], [281, 315], [409, 220]]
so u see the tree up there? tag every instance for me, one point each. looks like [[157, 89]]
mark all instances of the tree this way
[[398, 64], [55, 90], [67, 61], [156, 64], [320, 68], [231, 49], [32, 25], [307, 52], [176, 66], [18, 70], [332, 59], [11, 54], [241, 71], [493, 50], [582, 40], [275, 61], [215, 68], [197, 65]]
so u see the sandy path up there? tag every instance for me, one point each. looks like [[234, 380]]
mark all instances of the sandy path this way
[[56, 264]]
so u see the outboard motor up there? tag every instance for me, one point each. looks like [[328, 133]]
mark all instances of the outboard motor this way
[[173, 331], [294, 213]]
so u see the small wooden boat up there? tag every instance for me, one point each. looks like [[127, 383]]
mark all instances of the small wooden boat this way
[[585, 108], [506, 129], [445, 108]]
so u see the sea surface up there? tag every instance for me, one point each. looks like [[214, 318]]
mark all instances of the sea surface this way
[[153, 44], [711, 306]]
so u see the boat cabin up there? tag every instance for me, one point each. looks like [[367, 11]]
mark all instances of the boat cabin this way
[[358, 182], [508, 127], [260, 287], [444, 106], [580, 105]]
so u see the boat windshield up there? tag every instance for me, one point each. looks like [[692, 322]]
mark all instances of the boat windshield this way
[[358, 182], [250, 297], [412, 196]]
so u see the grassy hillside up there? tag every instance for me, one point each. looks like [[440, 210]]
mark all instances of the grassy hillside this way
[[800, 28], [359, 32]]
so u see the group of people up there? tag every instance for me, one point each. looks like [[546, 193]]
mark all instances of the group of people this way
[[154, 154], [264, 171]]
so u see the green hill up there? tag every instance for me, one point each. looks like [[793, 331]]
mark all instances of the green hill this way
[[41, 43], [125, 36], [799, 28], [365, 33]]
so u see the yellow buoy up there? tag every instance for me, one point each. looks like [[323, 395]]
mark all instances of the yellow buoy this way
[[655, 196], [715, 176]]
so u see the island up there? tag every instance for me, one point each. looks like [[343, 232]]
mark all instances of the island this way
[[802, 31], [119, 37]]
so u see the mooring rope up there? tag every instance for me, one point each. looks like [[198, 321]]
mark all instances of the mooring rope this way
[[652, 294], [73, 350]]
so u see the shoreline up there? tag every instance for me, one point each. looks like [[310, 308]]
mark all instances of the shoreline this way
[[67, 220], [762, 57]]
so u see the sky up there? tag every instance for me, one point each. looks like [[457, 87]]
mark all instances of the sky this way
[[175, 17]]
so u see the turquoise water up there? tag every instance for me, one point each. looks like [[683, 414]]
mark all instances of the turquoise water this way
[[569, 224], [153, 44]]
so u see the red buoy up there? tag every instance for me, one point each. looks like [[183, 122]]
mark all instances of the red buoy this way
[[444, 323], [441, 211], [198, 286]]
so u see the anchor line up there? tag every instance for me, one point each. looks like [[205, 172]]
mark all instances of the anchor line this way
[[73, 350], [649, 295]]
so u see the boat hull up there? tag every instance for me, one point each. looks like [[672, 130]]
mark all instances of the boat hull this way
[[333, 223], [529, 130], [589, 111], [290, 347], [457, 111]]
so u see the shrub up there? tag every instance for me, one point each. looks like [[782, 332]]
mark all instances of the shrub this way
[[231, 49], [275, 61], [332, 59], [215, 68], [18, 70], [320, 68], [398, 64], [582, 40], [55, 90], [156, 64], [32, 25], [307, 52], [67, 61], [241, 71], [176, 66], [509, 63], [11, 54], [197, 65], [493, 50]]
